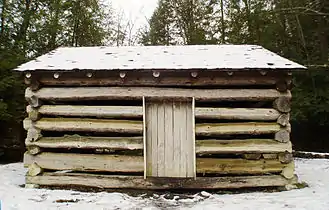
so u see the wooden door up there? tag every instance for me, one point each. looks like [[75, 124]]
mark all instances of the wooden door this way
[[169, 138]]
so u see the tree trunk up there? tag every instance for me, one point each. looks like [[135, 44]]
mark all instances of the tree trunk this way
[[222, 20], [3, 15]]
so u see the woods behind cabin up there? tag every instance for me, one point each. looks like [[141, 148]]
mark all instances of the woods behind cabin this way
[[295, 29]]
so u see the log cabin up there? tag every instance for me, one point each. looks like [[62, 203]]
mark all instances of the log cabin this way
[[159, 117]]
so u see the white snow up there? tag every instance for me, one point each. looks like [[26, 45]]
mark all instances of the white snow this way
[[160, 57], [313, 171]]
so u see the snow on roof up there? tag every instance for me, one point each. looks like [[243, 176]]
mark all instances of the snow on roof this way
[[212, 57]]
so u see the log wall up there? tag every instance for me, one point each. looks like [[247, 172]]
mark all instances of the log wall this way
[[95, 132]]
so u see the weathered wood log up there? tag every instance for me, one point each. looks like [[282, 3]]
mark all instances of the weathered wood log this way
[[115, 163], [31, 98], [137, 112], [285, 157], [27, 124], [33, 149], [241, 146], [282, 135], [283, 104], [90, 125], [86, 142], [283, 119], [137, 93], [138, 182], [254, 156], [236, 128], [90, 111], [127, 126], [32, 113], [288, 171], [86, 162], [273, 156], [34, 170], [33, 134], [218, 79], [237, 114], [238, 166], [282, 86]]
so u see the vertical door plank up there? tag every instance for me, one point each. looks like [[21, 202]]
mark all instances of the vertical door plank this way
[[169, 140], [176, 140], [154, 138], [189, 141], [161, 140], [182, 124]]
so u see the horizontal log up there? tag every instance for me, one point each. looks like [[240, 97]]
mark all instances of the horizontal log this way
[[133, 143], [210, 129], [237, 114], [136, 127], [90, 125], [137, 112], [238, 166], [137, 93], [86, 142], [115, 163], [90, 111], [86, 162], [241, 146], [138, 182], [164, 81]]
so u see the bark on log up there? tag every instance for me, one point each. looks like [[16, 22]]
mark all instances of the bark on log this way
[[282, 104], [282, 136], [138, 182], [137, 93], [236, 128], [86, 142], [241, 146]]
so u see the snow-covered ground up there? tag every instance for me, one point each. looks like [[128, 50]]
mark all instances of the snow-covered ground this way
[[313, 171]]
